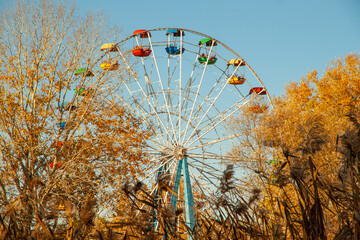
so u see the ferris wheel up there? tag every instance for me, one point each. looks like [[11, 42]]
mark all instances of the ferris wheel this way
[[185, 86]]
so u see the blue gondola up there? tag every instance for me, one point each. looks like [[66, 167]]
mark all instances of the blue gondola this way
[[61, 125], [175, 32], [173, 39], [172, 50]]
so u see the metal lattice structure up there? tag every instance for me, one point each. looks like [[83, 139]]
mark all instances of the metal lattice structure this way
[[185, 86]]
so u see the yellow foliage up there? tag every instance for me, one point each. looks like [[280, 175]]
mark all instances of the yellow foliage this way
[[102, 141]]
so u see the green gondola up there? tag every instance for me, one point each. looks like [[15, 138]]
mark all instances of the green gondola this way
[[211, 61], [208, 42], [84, 71]]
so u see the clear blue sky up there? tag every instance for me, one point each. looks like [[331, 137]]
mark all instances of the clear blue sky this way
[[281, 39]]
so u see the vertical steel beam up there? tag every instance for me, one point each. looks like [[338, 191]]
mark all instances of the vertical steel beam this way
[[157, 198], [189, 200], [173, 199]]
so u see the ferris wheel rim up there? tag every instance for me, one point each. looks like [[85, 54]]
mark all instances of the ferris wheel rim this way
[[185, 30], [201, 161], [204, 35]]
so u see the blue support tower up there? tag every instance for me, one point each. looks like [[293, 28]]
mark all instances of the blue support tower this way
[[157, 199], [173, 199], [189, 200]]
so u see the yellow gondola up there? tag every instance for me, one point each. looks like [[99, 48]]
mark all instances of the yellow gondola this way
[[61, 206], [109, 46], [236, 80], [109, 66], [236, 62]]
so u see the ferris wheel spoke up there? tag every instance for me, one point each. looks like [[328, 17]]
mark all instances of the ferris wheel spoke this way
[[162, 90], [214, 101], [150, 92], [172, 73], [153, 95], [198, 112], [205, 168], [168, 96], [202, 189], [191, 78], [217, 141], [180, 92], [142, 205], [212, 90], [205, 191], [143, 115], [170, 79], [195, 159], [125, 102], [191, 125], [154, 186], [149, 85], [199, 86], [158, 143], [208, 155], [150, 175], [146, 97], [220, 88], [207, 111], [206, 129], [205, 176]]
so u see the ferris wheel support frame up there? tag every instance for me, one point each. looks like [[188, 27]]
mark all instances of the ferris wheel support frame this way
[[172, 142], [188, 196], [189, 199]]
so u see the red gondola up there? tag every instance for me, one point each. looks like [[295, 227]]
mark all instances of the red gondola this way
[[57, 144], [141, 52], [57, 165], [138, 47], [258, 90]]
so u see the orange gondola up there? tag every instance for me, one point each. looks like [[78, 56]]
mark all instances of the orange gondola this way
[[142, 33], [260, 105]]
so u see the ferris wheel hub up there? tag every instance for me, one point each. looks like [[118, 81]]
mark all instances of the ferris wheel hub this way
[[179, 151]]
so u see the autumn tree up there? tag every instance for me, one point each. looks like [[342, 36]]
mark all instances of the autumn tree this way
[[66, 146], [311, 183]]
